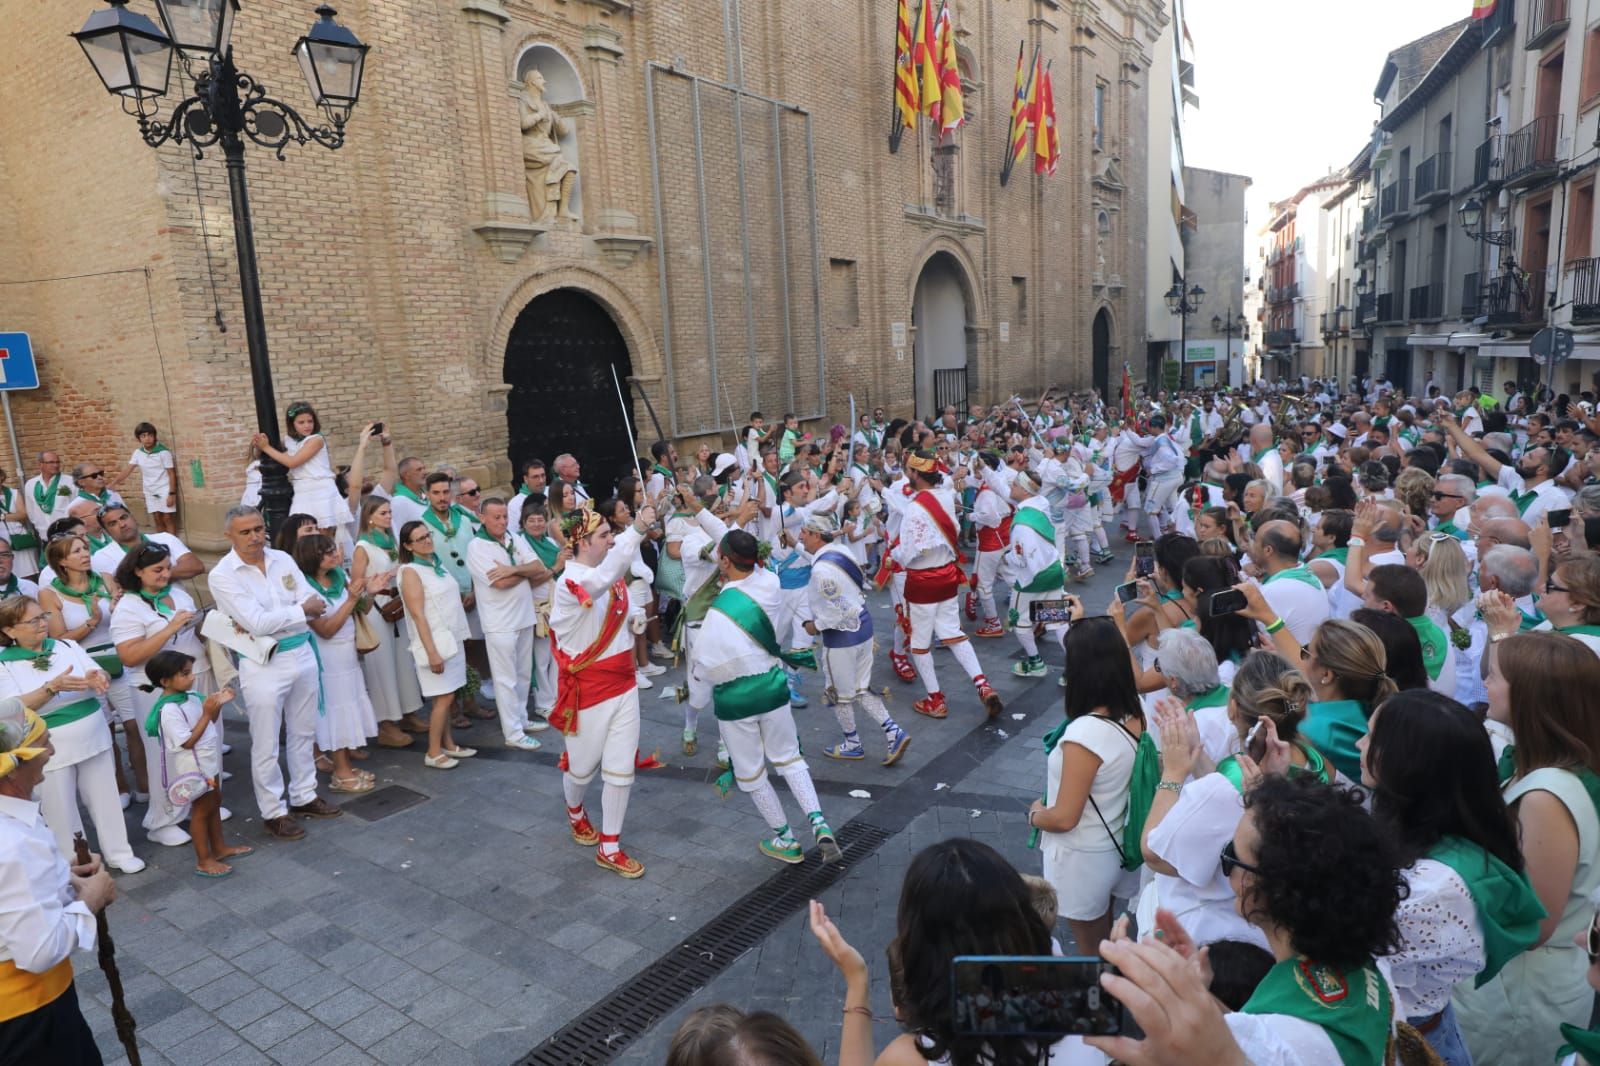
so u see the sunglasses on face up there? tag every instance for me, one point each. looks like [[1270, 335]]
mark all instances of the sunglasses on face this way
[[92, 474], [470, 492], [1231, 862], [1447, 496]]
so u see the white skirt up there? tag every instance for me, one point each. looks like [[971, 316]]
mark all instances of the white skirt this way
[[391, 675], [319, 498], [346, 720], [1086, 881], [454, 676]]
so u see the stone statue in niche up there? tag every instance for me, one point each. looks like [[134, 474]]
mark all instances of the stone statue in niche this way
[[550, 173]]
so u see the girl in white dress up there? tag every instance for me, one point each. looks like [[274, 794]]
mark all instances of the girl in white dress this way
[[64, 686], [391, 677], [438, 638], [346, 721], [305, 453], [155, 615]]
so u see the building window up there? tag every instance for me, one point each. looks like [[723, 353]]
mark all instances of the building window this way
[[1019, 289], [1589, 88], [1579, 239], [1099, 116], [844, 295]]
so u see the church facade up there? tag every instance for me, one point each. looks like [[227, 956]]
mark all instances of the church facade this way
[[544, 203]]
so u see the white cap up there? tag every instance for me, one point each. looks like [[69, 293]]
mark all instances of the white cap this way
[[724, 461]]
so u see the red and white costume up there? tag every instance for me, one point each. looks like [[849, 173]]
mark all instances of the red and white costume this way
[[991, 514]]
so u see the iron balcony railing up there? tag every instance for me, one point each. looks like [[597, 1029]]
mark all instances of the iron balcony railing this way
[[1366, 310], [1531, 152], [1471, 295], [1387, 201], [1369, 218], [1281, 338], [1433, 179], [1427, 302], [1488, 163], [1514, 300], [1547, 20], [1389, 307], [1585, 290]]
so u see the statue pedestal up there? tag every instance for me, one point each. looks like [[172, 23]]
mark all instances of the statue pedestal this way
[[509, 238]]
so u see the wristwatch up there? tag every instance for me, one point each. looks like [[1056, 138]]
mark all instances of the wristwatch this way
[[1169, 786]]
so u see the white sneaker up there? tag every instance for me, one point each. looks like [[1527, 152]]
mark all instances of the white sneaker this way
[[659, 650], [524, 743], [226, 775], [536, 725], [486, 688], [131, 865], [642, 680], [124, 799], [169, 836], [652, 669], [226, 747], [140, 797]]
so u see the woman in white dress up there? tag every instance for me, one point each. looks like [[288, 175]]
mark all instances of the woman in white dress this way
[[1090, 758], [438, 638], [79, 602], [305, 453], [391, 677], [156, 615], [60, 682], [346, 721]]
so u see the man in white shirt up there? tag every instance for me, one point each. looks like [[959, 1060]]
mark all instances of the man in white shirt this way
[[410, 494], [48, 907], [1531, 483], [119, 524], [501, 565], [567, 469], [534, 479], [48, 494], [1263, 451], [1295, 593], [264, 593]]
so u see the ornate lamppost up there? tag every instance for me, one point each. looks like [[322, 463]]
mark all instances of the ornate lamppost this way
[[1183, 304]]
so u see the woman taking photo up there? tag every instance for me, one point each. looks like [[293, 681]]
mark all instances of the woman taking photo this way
[[1089, 763], [156, 615], [1469, 909], [1546, 686], [439, 632], [1171, 609], [390, 675], [1345, 663], [310, 468], [58, 680], [346, 721]]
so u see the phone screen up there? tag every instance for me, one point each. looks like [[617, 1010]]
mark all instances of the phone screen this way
[[1021, 995], [1228, 601], [1129, 592], [1560, 518], [1144, 558]]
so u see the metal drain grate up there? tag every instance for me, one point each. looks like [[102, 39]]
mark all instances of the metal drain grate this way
[[382, 802], [628, 1012]]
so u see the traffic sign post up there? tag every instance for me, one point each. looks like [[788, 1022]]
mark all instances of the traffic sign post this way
[[1550, 348], [18, 371]]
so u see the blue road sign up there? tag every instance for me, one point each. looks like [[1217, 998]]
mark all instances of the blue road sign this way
[[17, 368]]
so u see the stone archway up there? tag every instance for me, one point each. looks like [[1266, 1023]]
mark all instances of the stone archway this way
[[943, 353], [1102, 354], [559, 358]]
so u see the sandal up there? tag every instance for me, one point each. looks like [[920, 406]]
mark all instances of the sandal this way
[[359, 754], [324, 765], [349, 784]]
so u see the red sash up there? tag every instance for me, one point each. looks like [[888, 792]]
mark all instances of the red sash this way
[[995, 538], [1121, 479], [941, 518], [887, 567], [586, 679], [939, 583]]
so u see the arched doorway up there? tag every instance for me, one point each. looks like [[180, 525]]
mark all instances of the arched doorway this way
[[559, 359], [940, 313], [1102, 355]]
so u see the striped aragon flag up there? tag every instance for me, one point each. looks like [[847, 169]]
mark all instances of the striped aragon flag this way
[[953, 110], [906, 91], [926, 55], [1047, 143], [1022, 110], [1482, 9]]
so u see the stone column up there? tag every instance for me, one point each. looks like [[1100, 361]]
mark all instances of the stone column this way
[[505, 221], [615, 227]]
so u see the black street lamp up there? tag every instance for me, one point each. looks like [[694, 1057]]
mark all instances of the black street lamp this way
[[1471, 214], [1184, 304], [1226, 326], [133, 58]]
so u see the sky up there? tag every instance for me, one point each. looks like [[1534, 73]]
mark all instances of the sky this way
[[1286, 86]]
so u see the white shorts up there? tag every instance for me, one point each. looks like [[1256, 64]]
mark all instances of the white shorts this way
[[606, 741], [753, 742], [935, 621], [1087, 881], [156, 503], [849, 670]]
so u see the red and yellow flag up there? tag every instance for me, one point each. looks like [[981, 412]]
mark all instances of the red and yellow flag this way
[[926, 54], [1482, 9], [953, 111], [1023, 104], [906, 91], [1046, 142]]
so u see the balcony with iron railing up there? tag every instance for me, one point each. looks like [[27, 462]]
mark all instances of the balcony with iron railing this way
[[1546, 20], [1281, 338], [1514, 300], [1427, 302], [1369, 218], [1366, 310], [1390, 307], [1488, 163], [1532, 152], [1585, 274], [1433, 179], [1471, 295], [1388, 197]]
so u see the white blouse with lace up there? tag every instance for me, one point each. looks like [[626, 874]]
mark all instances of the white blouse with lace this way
[[1441, 943]]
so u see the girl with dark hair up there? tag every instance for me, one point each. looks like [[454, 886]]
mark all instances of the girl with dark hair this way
[[305, 453], [959, 897], [347, 720], [1163, 594], [1090, 758], [1469, 909], [1546, 687], [618, 511], [1402, 647]]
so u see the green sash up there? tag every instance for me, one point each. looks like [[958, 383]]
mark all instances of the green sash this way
[[458, 513], [1508, 911], [1334, 727], [41, 494], [1581, 1042], [1435, 645], [753, 694], [1351, 1006], [1297, 573], [1315, 764], [72, 712], [1052, 578], [1217, 697], [152, 721]]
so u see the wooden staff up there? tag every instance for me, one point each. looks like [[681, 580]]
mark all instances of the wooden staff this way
[[108, 963]]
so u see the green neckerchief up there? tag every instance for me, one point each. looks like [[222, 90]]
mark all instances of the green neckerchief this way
[[335, 587], [157, 450], [1217, 697], [1531, 621], [1256, 457], [1333, 727], [1296, 573], [98, 542], [1338, 555], [545, 548], [1524, 500], [458, 513], [16, 653], [1506, 765], [102, 499], [737, 606], [432, 561], [1315, 764], [1351, 1006], [384, 542], [96, 591], [664, 472], [1435, 645], [1452, 529], [152, 721], [11, 587], [505, 546], [1584, 1043], [1508, 911], [164, 610], [404, 491], [1382, 421], [1196, 434], [1572, 631], [40, 494]]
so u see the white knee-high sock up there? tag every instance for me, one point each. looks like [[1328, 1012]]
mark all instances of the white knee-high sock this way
[[923, 661], [874, 707], [768, 805], [798, 778], [968, 658], [900, 642], [1080, 548], [845, 712], [1099, 538], [1024, 632], [613, 808], [573, 791]]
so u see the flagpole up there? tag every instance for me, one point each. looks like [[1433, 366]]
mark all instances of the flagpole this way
[[1027, 88], [897, 125]]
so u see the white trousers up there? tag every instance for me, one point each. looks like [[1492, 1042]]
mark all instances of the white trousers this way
[[1161, 492], [934, 621], [753, 742], [988, 570], [606, 741], [511, 666], [94, 781], [282, 695], [699, 688], [849, 670], [545, 678]]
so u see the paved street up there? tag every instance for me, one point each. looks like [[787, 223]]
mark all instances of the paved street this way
[[467, 928]]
